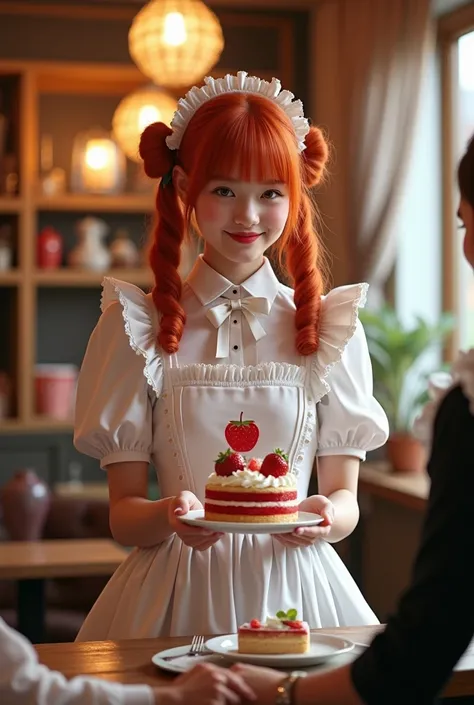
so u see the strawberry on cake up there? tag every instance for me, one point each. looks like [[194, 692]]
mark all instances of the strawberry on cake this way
[[283, 634], [254, 492]]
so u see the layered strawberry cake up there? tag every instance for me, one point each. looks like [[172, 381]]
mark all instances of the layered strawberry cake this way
[[257, 491], [283, 634]]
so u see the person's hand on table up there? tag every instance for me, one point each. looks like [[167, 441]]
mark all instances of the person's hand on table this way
[[206, 684], [263, 681]]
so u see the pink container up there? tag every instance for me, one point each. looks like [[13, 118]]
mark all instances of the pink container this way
[[55, 387]]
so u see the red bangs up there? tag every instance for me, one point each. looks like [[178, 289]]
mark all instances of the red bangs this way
[[243, 136], [246, 150]]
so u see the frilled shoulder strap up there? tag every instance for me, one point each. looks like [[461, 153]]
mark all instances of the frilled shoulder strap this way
[[339, 316], [139, 325]]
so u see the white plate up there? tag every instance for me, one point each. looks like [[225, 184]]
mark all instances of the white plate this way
[[322, 648], [178, 662], [196, 518]]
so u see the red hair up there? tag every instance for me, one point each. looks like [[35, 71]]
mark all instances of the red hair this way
[[250, 135]]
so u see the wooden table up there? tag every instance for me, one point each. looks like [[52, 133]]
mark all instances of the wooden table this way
[[409, 489], [30, 563], [86, 490], [129, 661]]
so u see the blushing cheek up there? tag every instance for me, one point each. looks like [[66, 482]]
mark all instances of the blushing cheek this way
[[276, 217], [209, 211]]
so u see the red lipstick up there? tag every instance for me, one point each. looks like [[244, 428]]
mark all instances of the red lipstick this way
[[245, 238]]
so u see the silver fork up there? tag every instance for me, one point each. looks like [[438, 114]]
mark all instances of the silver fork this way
[[197, 648]]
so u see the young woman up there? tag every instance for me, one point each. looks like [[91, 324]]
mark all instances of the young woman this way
[[164, 374], [411, 661]]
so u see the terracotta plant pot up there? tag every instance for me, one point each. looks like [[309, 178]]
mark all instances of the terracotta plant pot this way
[[406, 453], [25, 500]]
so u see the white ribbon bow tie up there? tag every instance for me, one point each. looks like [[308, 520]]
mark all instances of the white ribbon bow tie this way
[[220, 316]]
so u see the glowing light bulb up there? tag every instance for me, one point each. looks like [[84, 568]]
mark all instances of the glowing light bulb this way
[[147, 115], [97, 154], [174, 29]]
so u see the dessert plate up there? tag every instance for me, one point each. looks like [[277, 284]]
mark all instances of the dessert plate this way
[[322, 648], [196, 518]]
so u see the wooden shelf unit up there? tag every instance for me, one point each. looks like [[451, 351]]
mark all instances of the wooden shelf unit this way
[[11, 205], [78, 278], [12, 277], [36, 78], [71, 202]]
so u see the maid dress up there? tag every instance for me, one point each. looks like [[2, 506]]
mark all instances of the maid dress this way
[[237, 355]]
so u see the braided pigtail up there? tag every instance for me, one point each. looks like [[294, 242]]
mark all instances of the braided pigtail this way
[[304, 253], [165, 252]]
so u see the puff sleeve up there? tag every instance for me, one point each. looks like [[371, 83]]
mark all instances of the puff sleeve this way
[[350, 419], [114, 405]]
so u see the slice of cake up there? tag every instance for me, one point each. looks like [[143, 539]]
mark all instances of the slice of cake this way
[[254, 492], [283, 634]]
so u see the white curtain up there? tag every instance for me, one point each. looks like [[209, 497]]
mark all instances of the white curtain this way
[[369, 62]]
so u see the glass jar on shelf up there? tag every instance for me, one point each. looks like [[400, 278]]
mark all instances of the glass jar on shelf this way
[[52, 179], [98, 164]]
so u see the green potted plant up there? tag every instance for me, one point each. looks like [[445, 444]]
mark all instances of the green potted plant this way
[[397, 353]]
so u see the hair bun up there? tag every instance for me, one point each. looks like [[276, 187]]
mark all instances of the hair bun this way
[[157, 157], [315, 157]]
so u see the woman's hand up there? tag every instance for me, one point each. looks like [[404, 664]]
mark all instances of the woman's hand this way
[[193, 536], [263, 681], [307, 535], [205, 684]]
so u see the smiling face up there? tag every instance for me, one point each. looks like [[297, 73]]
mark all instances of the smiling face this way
[[240, 220], [239, 173]]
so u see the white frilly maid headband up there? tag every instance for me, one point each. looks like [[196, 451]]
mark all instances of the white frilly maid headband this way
[[242, 83]]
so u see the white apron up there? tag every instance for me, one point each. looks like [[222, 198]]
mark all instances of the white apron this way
[[174, 590]]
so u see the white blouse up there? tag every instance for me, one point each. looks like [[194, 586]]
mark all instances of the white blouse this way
[[23, 681], [237, 356], [252, 324]]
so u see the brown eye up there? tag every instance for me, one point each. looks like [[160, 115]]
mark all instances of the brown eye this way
[[223, 191]]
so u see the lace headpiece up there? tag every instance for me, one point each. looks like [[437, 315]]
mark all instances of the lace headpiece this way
[[241, 83]]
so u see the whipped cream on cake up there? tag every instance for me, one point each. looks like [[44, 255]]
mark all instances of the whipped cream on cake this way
[[253, 479], [282, 634]]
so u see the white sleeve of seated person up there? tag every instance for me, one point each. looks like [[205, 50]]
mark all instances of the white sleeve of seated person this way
[[23, 681]]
